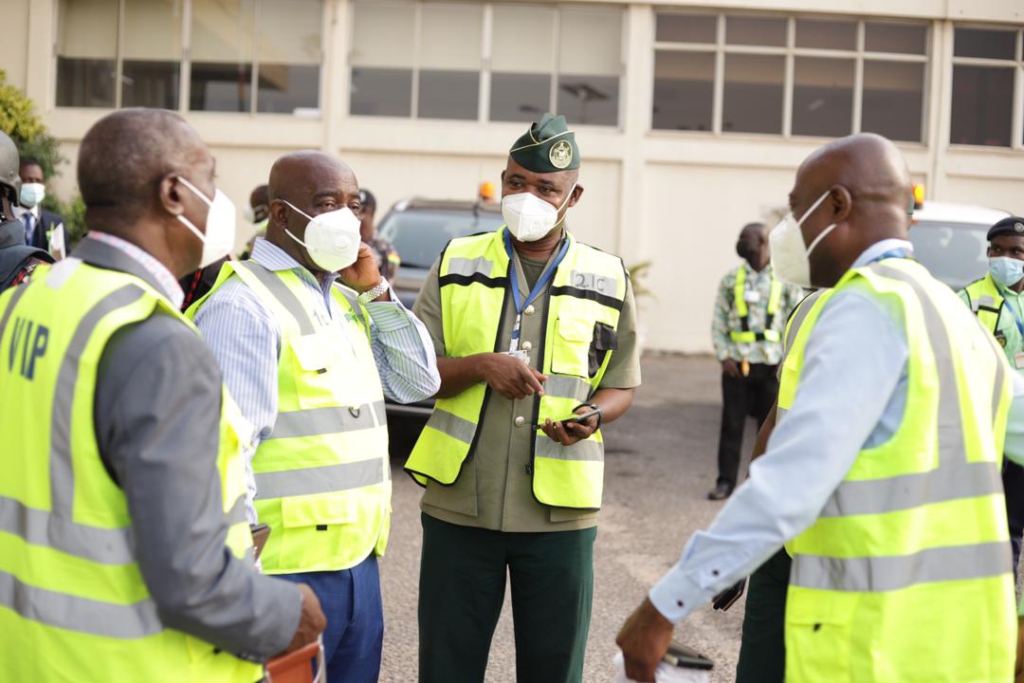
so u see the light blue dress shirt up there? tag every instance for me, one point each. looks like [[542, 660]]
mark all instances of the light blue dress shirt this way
[[856, 356], [246, 340]]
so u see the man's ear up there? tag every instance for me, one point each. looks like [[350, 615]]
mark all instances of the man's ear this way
[[278, 213], [841, 202], [169, 193], [577, 193]]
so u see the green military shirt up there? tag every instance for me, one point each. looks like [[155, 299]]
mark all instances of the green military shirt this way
[[493, 490], [1007, 327]]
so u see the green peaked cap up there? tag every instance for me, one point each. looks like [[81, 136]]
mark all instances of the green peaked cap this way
[[548, 147]]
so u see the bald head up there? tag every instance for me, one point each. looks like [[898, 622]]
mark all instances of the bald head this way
[[126, 153], [314, 183], [864, 188]]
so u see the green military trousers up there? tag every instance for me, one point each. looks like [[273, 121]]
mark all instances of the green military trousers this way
[[763, 648], [462, 588]]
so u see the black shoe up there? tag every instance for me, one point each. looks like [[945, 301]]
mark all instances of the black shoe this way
[[721, 492]]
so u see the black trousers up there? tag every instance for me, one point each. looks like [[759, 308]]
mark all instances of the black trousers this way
[[752, 396], [1013, 487]]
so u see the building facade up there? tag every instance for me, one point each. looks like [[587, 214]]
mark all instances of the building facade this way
[[691, 116]]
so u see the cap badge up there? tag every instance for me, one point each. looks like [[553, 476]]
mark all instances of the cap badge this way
[[561, 156], [1017, 227]]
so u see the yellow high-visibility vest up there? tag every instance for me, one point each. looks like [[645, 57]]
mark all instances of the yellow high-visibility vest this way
[[585, 298], [739, 292], [323, 480], [73, 604]]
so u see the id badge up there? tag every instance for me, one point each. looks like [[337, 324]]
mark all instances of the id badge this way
[[1018, 360], [751, 296], [521, 355]]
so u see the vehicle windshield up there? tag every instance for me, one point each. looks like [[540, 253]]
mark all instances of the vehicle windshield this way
[[955, 253], [419, 235]]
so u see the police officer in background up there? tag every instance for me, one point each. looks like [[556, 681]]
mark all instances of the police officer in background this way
[[998, 301], [530, 326], [126, 553], [388, 259], [750, 315]]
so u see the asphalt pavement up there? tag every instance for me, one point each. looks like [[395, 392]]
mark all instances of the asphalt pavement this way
[[660, 464]]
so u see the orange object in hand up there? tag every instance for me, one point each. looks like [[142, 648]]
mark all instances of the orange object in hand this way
[[297, 667]]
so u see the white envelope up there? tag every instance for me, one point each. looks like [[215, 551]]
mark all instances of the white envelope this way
[[666, 673]]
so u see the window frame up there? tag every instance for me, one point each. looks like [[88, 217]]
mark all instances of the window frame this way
[[185, 65], [1017, 102], [486, 48], [790, 52]]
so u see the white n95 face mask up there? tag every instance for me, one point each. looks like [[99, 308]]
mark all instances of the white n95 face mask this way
[[528, 217], [219, 238], [332, 238], [791, 257], [32, 194]]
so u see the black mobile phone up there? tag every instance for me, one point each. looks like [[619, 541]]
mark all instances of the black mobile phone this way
[[729, 596], [687, 658], [583, 417]]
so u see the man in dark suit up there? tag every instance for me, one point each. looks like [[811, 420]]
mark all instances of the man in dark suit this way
[[40, 224]]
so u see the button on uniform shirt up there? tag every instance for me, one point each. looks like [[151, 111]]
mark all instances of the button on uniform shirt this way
[[859, 343], [493, 490], [1007, 326], [246, 340], [726, 319]]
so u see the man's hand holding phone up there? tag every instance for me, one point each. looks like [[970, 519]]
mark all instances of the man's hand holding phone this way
[[581, 425]]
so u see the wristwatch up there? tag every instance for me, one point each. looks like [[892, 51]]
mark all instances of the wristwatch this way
[[592, 406], [371, 294]]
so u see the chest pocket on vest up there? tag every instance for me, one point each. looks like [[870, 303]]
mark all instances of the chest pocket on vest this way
[[575, 350], [316, 361]]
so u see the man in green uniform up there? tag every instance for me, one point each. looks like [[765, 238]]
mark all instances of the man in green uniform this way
[[998, 301], [530, 327]]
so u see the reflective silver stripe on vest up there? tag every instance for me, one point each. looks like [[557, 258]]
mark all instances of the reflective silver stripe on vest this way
[[329, 420], [353, 302], [42, 528], [62, 477], [800, 315], [326, 479], [78, 614], [562, 386], [452, 425], [470, 266], [581, 451], [893, 572], [908, 491], [18, 293], [284, 296]]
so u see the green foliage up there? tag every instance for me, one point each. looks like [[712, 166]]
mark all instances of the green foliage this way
[[73, 213], [638, 273], [20, 122]]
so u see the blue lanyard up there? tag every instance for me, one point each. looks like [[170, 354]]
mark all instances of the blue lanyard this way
[[1013, 311], [892, 253], [542, 281]]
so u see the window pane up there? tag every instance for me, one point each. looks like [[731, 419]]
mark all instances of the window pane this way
[[687, 28], [86, 53], [982, 106], [449, 94], [909, 39], [893, 98], [826, 35], [152, 53], [383, 40], [589, 99], [519, 97], [288, 55], [823, 97], [753, 94], [683, 90], [222, 51], [978, 42], [523, 39], [755, 31], [381, 92], [589, 62]]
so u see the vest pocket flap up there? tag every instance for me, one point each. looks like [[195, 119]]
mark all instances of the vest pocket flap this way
[[574, 330], [303, 511], [312, 351], [605, 338]]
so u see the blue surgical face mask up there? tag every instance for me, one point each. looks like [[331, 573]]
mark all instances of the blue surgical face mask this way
[[1006, 271]]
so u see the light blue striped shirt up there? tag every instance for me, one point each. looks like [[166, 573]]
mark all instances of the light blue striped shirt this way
[[246, 340]]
